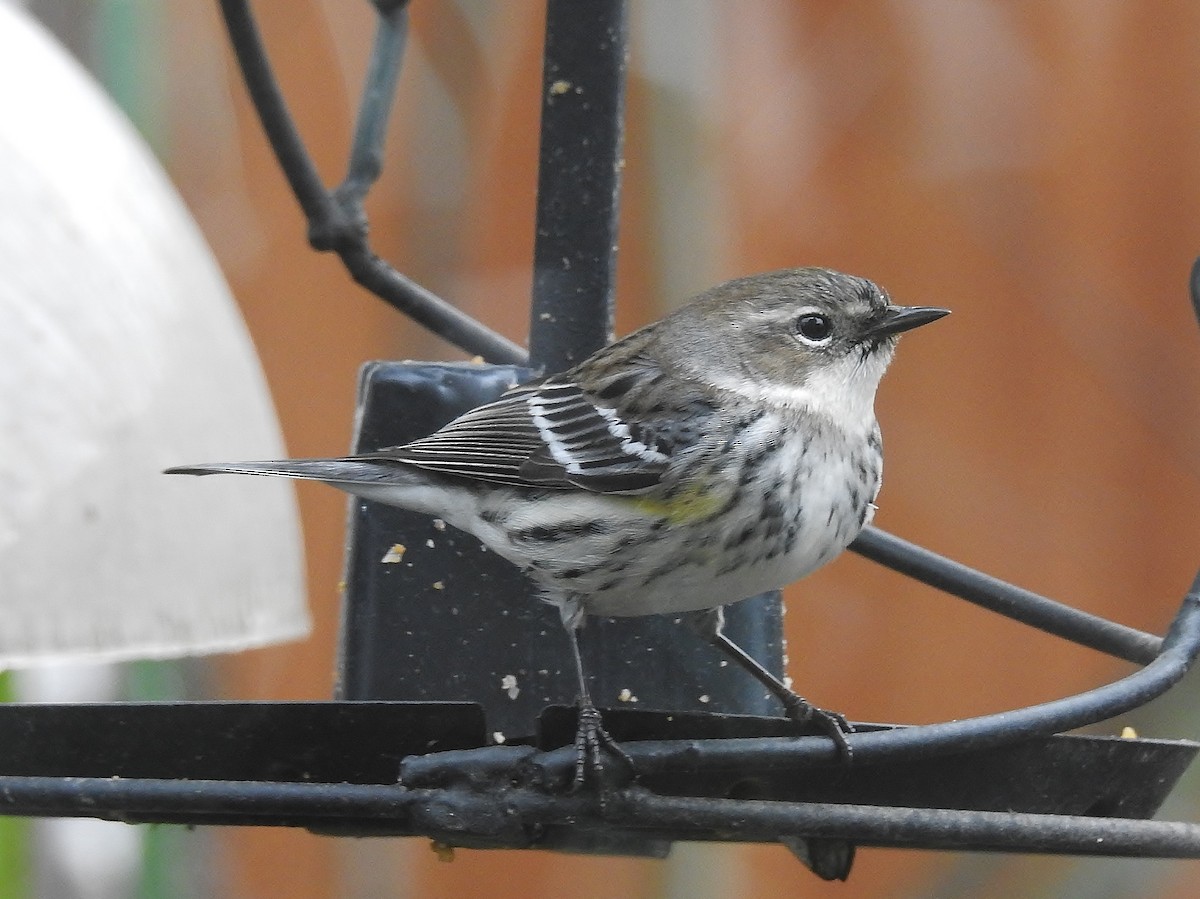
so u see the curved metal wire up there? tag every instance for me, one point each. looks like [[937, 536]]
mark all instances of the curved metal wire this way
[[336, 219], [1005, 599]]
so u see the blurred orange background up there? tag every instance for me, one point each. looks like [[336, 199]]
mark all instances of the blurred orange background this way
[[1033, 166]]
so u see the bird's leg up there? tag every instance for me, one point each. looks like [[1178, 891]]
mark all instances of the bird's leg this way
[[710, 624], [590, 735]]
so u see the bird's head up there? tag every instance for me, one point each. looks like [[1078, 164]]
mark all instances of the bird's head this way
[[809, 336]]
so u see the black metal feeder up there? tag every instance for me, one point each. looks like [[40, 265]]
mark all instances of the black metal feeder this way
[[419, 743]]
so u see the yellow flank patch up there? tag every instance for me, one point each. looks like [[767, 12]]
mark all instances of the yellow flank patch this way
[[692, 504]]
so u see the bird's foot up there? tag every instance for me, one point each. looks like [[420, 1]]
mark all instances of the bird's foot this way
[[832, 724], [590, 740]]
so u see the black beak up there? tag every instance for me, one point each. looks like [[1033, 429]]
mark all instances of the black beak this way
[[904, 318]]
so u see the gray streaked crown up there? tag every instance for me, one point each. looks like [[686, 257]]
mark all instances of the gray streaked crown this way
[[748, 329]]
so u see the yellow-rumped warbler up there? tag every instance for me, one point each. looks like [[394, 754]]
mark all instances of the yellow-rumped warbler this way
[[724, 451]]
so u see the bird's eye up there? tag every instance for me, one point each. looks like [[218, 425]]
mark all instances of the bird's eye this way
[[814, 328]]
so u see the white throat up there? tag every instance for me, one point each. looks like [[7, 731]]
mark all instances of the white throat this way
[[843, 392]]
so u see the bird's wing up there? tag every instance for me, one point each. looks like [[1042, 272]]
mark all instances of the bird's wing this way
[[554, 435]]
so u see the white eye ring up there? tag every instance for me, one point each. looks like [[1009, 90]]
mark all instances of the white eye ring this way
[[814, 328]]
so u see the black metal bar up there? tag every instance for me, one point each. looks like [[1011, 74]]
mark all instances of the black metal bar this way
[[1008, 600], [209, 748], [341, 227], [575, 249], [466, 818], [144, 798], [579, 178], [927, 828]]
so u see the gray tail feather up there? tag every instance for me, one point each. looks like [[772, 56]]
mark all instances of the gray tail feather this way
[[333, 471]]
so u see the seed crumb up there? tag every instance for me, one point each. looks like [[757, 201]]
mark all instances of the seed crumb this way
[[508, 684]]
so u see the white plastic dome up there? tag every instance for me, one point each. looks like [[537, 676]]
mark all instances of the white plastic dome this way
[[121, 353]]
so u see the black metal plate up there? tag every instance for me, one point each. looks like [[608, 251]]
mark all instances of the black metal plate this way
[[323, 742], [451, 621]]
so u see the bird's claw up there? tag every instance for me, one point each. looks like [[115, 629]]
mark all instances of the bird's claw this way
[[590, 739], [832, 724]]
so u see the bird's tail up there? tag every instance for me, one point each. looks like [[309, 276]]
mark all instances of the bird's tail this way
[[388, 481], [339, 472]]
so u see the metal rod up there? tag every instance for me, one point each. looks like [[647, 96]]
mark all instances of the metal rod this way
[[379, 92], [341, 227], [1004, 598], [143, 798], [579, 181], [516, 817], [917, 827], [272, 110]]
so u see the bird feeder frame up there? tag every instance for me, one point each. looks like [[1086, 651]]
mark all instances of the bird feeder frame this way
[[417, 755]]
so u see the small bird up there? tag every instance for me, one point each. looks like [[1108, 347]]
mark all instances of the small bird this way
[[723, 451]]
